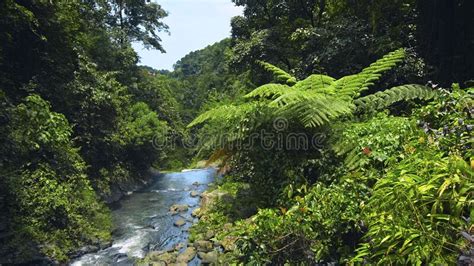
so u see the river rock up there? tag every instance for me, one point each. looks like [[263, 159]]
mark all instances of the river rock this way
[[162, 256], [194, 193], [203, 245], [187, 255], [149, 226], [85, 250], [120, 257], [105, 244], [180, 222], [89, 249], [196, 212], [156, 253], [209, 257], [159, 263], [208, 199], [196, 184], [177, 208]]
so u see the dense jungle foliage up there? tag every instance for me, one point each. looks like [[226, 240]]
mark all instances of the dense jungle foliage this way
[[344, 128], [390, 180]]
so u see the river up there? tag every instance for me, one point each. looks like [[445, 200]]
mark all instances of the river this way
[[142, 220]]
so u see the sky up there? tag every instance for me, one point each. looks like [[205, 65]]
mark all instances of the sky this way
[[193, 24]]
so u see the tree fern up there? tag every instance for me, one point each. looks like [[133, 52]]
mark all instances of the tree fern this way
[[280, 75], [318, 99], [383, 99], [306, 97]]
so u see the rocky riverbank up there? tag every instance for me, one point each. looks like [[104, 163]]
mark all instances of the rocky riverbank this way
[[155, 221], [206, 243], [185, 252]]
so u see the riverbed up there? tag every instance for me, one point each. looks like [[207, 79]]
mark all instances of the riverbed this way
[[142, 220]]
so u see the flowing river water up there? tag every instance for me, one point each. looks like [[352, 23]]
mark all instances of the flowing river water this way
[[142, 220]]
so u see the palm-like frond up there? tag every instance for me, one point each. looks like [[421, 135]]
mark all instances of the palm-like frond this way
[[315, 82], [280, 75], [383, 99], [321, 111], [311, 107], [311, 98], [353, 85], [270, 90], [228, 112], [227, 125]]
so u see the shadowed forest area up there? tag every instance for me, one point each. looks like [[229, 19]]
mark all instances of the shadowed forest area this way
[[343, 130]]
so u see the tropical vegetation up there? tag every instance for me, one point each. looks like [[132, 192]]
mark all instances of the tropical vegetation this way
[[343, 129]]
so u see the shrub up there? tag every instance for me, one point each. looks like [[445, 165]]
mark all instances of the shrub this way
[[417, 211]]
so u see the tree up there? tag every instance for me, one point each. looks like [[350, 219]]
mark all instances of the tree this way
[[135, 20], [295, 34]]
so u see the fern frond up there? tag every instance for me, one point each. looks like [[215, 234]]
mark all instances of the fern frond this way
[[353, 85], [215, 113], [226, 125], [322, 83], [295, 96], [280, 75], [319, 112], [312, 108], [224, 113], [384, 99], [270, 90]]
